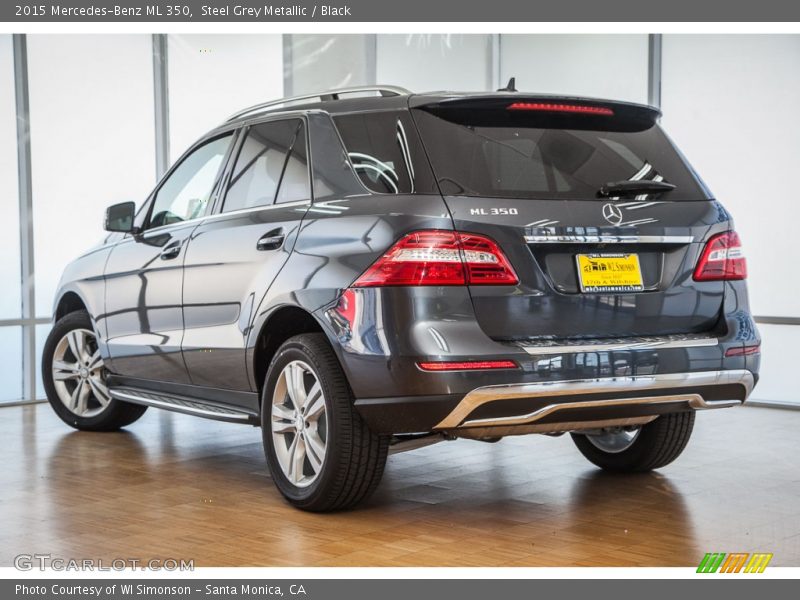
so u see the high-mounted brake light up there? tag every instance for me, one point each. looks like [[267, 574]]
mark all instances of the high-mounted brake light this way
[[722, 259], [563, 108], [436, 257], [470, 365]]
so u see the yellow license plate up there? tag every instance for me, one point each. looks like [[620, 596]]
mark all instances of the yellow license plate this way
[[599, 273]]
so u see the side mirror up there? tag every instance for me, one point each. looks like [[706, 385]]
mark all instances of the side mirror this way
[[119, 217]]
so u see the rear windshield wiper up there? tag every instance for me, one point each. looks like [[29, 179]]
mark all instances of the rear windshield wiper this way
[[626, 187]]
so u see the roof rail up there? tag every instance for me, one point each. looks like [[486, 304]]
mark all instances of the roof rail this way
[[383, 90]]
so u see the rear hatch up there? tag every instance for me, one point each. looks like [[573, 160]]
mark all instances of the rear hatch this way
[[598, 213]]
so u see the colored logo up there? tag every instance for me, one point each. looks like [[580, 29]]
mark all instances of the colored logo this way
[[736, 562]]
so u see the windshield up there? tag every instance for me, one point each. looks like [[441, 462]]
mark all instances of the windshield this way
[[493, 153]]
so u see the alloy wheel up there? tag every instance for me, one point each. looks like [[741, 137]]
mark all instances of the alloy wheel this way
[[299, 423], [79, 374], [614, 441]]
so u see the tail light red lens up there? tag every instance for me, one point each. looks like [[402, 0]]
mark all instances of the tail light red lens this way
[[722, 259], [440, 258], [472, 365], [743, 350], [563, 108]]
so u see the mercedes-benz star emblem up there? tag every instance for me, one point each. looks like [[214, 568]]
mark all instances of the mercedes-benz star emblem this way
[[612, 213]]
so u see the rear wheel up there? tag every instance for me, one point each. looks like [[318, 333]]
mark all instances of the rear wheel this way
[[321, 454], [639, 449], [74, 378]]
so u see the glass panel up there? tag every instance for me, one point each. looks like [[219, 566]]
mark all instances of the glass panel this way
[[730, 103], [9, 199], [295, 184], [260, 164], [425, 62], [11, 359], [324, 62], [494, 152], [187, 191], [96, 149], [602, 66], [213, 76], [42, 331], [375, 148]]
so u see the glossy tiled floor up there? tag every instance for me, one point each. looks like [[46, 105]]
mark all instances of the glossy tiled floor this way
[[181, 487]]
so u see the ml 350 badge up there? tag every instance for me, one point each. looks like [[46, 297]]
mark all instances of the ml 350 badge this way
[[609, 273]]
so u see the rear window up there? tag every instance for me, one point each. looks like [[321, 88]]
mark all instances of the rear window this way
[[496, 152]]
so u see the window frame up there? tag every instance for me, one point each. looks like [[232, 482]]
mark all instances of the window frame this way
[[243, 129]]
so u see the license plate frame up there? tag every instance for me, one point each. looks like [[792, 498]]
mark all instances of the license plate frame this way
[[631, 282]]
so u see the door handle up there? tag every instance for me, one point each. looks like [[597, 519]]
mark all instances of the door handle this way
[[271, 240], [171, 251]]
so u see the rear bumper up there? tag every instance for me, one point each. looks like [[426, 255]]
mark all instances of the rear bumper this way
[[381, 334], [554, 406]]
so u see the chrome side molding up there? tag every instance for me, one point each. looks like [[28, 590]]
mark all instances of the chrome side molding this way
[[609, 239], [639, 384]]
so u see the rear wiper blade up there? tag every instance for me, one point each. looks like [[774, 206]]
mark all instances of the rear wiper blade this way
[[625, 187]]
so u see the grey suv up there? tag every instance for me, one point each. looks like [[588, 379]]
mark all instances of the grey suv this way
[[367, 270]]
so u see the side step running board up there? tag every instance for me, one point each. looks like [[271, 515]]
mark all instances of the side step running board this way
[[184, 405]]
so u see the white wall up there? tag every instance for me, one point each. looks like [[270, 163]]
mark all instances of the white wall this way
[[92, 141], [429, 62], [731, 104], [603, 66], [213, 76]]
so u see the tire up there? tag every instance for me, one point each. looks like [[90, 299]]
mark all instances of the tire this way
[[98, 412], [353, 458], [657, 444]]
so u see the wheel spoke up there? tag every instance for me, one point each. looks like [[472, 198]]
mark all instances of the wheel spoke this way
[[315, 406], [297, 456], [77, 344], [83, 398], [315, 449], [282, 419], [99, 390], [295, 385], [75, 396], [63, 370], [96, 361]]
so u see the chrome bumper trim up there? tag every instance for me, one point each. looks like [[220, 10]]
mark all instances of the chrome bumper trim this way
[[639, 343], [609, 239], [458, 417]]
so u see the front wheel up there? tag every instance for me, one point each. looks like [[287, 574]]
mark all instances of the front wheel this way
[[321, 454], [74, 378], [639, 449]]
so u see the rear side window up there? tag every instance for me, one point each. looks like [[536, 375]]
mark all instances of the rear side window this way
[[499, 153], [272, 166], [383, 149]]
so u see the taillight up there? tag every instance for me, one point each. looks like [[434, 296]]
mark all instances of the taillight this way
[[470, 365], [722, 259], [440, 258], [743, 350], [563, 108]]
